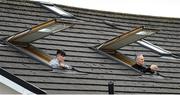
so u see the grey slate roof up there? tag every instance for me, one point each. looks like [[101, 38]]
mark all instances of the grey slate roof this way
[[19, 15]]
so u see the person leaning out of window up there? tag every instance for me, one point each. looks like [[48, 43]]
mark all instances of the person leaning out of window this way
[[139, 65], [58, 61]]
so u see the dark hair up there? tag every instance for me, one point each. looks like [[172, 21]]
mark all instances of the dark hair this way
[[61, 52]]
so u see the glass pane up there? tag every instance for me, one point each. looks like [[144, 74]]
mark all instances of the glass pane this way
[[53, 28], [168, 57], [45, 30], [126, 39], [32, 35], [145, 33], [59, 11], [154, 47]]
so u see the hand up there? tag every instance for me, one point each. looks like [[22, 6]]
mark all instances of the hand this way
[[154, 67], [62, 65]]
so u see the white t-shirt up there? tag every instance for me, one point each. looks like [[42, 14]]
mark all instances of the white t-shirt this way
[[54, 63]]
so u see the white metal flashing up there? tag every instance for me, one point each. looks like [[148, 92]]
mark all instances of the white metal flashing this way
[[15, 86]]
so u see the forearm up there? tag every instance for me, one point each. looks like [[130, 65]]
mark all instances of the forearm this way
[[62, 65]]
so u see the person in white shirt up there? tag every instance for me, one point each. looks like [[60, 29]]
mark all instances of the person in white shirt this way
[[58, 62]]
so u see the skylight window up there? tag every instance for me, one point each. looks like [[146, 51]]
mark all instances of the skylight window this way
[[154, 47], [110, 47], [168, 57], [125, 39], [56, 9], [22, 41], [39, 31], [164, 53]]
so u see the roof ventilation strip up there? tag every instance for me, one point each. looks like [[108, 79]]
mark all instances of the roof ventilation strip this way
[[22, 41], [110, 47], [56, 9]]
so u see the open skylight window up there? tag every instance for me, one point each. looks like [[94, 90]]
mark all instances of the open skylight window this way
[[110, 47], [125, 39], [56, 9], [38, 31], [22, 41], [164, 53]]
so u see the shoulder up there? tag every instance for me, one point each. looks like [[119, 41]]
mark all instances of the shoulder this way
[[137, 66], [134, 65], [53, 61], [140, 68]]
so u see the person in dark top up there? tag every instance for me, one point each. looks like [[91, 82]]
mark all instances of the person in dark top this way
[[139, 65]]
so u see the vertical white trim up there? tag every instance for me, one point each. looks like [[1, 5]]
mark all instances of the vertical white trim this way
[[15, 86]]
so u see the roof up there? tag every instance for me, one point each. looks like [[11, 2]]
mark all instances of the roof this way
[[89, 31]]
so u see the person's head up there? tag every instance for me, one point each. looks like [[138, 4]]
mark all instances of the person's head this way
[[140, 59], [154, 67], [60, 55]]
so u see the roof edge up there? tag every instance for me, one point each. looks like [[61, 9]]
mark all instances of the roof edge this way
[[21, 82]]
